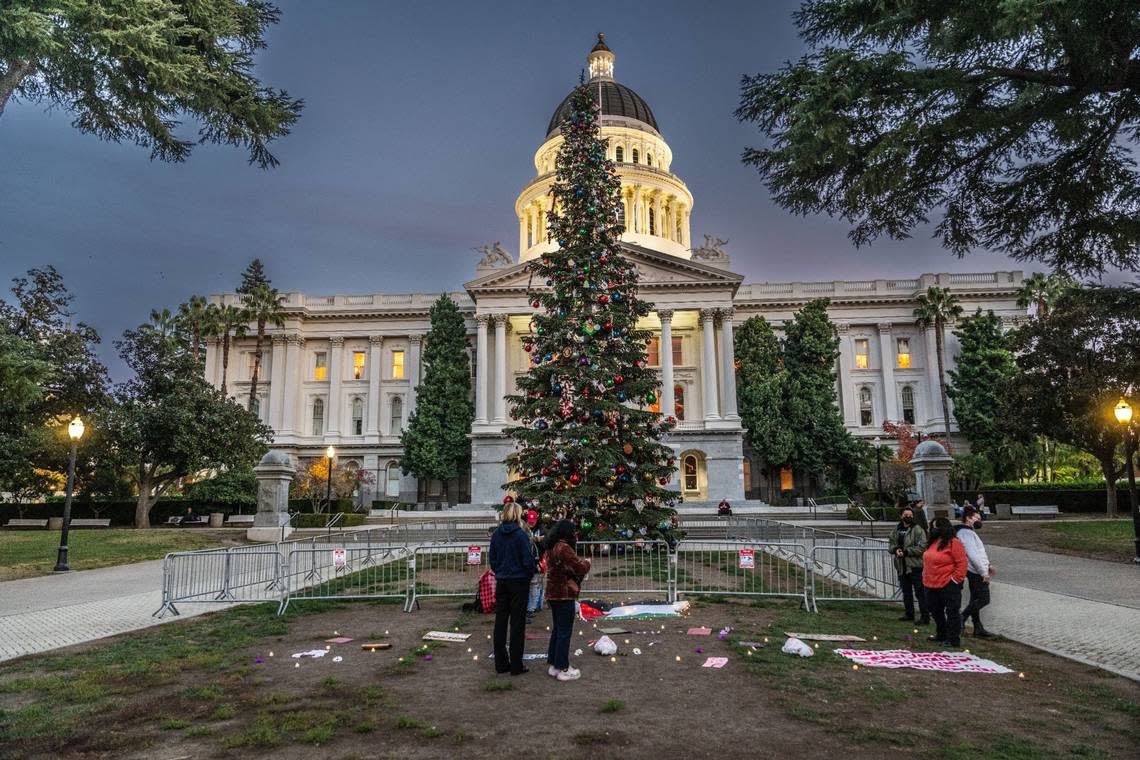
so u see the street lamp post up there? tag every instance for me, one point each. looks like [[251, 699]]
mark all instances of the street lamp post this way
[[1123, 413], [879, 466], [330, 452], [74, 432]]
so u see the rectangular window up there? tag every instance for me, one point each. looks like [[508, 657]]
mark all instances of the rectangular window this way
[[653, 352], [862, 353], [251, 360], [357, 365], [398, 365], [435, 487], [787, 481], [320, 366], [677, 352], [903, 350]]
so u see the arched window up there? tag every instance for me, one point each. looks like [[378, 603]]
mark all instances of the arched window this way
[[318, 416], [255, 407], [397, 425], [649, 159], [907, 394], [358, 416], [621, 214], [652, 222], [619, 154], [690, 464], [679, 402], [635, 155], [392, 480], [866, 407]]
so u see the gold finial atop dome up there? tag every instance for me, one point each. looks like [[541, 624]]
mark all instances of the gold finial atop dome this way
[[601, 60]]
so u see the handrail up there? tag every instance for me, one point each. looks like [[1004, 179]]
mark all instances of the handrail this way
[[288, 523], [336, 519]]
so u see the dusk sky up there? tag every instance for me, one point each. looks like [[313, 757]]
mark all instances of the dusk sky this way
[[420, 127]]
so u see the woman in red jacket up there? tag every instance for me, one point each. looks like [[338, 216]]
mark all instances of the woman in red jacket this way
[[564, 573], [943, 572]]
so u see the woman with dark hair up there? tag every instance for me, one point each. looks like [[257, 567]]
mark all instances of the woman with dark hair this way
[[564, 573], [943, 573]]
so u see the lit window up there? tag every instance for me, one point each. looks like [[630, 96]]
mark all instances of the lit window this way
[[358, 416], [903, 350], [677, 351], [393, 480], [690, 473], [357, 365], [529, 235], [862, 353], [398, 365], [397, 426], [619, 154], [635, 155], [649, 159], [653, 352], [320, 366], [679, 402], [251, 359], [787, 479], [907, 394], [866, 408], [318, 417]]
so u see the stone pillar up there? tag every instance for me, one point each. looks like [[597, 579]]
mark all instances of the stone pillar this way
[[934, 399], [728, 365], [274, 474], [481, 321], [658, 213], [293, 380], [846, 382], [375, 361], [931, 465], [276, 418], [336, 368], [887, 355], [500, 368], [665, 352], [416, 343], [522, 232], [708, 367], [211, 346]]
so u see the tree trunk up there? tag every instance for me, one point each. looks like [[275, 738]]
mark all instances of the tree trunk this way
[[225, 358], [142, 507], [942, 379], [1108, 467], [257, 364], [15, 72]]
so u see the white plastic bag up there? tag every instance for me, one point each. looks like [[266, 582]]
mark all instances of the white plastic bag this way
[[605, 645], [795, 646]]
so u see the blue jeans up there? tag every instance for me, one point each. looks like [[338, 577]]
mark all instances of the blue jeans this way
[[558, 654], [537, 587]]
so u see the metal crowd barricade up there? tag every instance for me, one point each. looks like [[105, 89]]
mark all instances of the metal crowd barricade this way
[[442, 570], [234, 574], [332, 571], [742, 568], [853, 573], [627, 567]]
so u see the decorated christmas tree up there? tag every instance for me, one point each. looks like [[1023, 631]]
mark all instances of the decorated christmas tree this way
[[588, 445]]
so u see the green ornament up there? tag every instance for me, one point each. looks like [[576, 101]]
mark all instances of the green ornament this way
[[651, 398]]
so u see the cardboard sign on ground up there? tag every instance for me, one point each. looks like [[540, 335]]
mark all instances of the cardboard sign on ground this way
[[753, 644], [700, 631], [823, 636], [338, 640], [376, 645], [446, 636], [612, 631]]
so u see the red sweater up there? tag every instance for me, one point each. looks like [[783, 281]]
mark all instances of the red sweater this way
[[940, 566]]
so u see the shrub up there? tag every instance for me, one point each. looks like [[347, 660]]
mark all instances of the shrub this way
[[315, 520]]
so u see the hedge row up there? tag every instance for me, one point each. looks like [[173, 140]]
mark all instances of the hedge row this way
[[1085, 499], [119, 511], [312, 520]]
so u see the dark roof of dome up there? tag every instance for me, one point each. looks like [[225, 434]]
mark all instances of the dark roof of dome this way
[[617, 100]]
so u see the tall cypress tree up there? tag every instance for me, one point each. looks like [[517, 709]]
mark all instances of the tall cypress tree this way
[[435, 441], [588, 446], [253, 277]]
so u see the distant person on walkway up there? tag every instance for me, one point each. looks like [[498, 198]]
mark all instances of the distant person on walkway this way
[[565, 571], [512, 560], [724, 509], [981, 506], [943, 573], [978, 569], [909, 544]]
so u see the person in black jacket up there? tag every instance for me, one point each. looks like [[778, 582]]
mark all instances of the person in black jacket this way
[[512, 560]]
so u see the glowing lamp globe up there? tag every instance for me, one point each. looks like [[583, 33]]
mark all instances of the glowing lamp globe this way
[[1122, 411], [75, 429], [330, 452]]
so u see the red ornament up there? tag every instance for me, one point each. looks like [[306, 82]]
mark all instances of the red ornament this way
[[508, 499], [620, 469], [664, 481], [545, 470], [528, 347], [536, 303], [575, 478], [619, 379], [603, 259], [603, 299]]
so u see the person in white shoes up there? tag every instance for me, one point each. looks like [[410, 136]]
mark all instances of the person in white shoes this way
[[565, 571]]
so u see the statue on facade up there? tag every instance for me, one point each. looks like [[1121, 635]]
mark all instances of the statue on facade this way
[[711, 250], [494, 256]]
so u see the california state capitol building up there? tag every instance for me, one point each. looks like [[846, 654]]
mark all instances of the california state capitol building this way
[[343, 370]]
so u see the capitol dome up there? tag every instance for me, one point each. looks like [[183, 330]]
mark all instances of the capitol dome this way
[[618, 102]]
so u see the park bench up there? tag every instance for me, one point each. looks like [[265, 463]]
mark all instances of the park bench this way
[[86, 522], [240, 521], [1044, 511], [17, 524]]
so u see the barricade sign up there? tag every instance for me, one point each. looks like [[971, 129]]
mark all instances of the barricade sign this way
[[340, 559], [747, 559], [474, 555]]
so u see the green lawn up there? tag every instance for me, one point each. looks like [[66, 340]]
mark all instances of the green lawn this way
[[1092, 537], [24, 554]]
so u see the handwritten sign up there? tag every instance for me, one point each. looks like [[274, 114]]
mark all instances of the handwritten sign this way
[[747, 559], [474, 555]]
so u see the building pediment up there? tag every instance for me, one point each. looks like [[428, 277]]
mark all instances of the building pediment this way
[[656, 271]]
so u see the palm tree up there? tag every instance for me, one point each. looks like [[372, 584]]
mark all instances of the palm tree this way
[[936, 307], [1041, 291], [192, 315], [263, 306], [223, 322], [165, 326]]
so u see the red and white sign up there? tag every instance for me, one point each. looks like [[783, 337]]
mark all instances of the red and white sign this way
[[474, 555], [340, 558], [947, 662], [747, 559]]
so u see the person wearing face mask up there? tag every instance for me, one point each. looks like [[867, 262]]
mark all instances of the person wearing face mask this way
[[978, 569], [909, 544]]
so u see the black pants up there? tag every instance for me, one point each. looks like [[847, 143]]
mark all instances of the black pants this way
[[944, 604], [558, 653], [979, 597], [912, 588], [510, 606]]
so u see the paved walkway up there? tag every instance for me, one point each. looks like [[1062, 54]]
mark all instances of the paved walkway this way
[[39, 614]]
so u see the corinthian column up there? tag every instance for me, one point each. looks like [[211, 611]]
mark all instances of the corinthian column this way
[[665, 352], [500, 368], [481, 368], [708, 367], [887, 356], [336, 364], [375, 357], [728, 365], [277, 384], [416, 342]]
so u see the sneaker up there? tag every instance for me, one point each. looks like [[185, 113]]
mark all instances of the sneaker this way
[[553, 671], [570, 674], [525, 669], [906, 618]]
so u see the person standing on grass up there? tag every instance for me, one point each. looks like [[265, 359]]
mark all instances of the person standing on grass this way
[[512, 560], [978, 569], [909, 544], [565, 571], [943, 573], [538, 580]]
